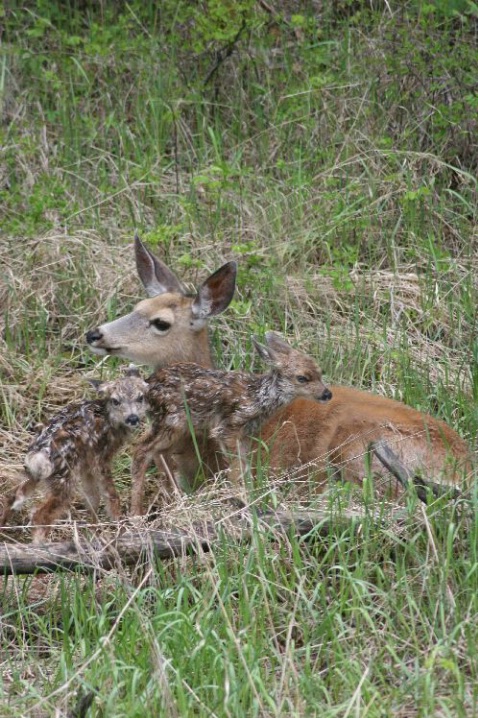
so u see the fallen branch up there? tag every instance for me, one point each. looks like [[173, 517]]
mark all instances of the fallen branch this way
[[407, 478], [135, 545], [130, 548]]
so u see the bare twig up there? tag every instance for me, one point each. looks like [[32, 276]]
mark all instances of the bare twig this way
[[277, 17], [224, 53]]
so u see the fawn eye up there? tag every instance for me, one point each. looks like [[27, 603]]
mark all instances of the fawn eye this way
[[302, 379], [160, 325]]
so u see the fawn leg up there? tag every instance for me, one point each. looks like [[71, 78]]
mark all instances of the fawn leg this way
[[164, 464], [91, 491], [53, 508], [108, 489], [152, 445], [239, 448], [7, 508], [14, 499], [190, 456], [139, 466], [97, 484]]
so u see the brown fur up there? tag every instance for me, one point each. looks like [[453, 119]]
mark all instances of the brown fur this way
[[338, 434]]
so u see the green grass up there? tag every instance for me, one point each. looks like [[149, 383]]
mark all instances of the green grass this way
[[371, 622], [333, 155]]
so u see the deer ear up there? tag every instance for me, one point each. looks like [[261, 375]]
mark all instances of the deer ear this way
[[263, 351], [155, 276], [215, 294], [101, 387], [277, 344], [132, 370]]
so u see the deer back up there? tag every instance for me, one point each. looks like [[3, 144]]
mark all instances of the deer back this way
[[339, 432]]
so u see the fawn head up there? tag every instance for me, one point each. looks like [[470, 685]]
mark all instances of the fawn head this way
[[300, 370], [170, 326], [126, 399]]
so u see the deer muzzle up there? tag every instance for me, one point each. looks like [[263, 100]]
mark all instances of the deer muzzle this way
[[325, 396], [132, 420]]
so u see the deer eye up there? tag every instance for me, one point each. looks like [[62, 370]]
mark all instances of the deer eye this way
[[160, 325], [115, 402], [302, 379], [139, 399]]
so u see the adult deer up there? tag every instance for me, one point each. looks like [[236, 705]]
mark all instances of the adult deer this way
[[171, 327]]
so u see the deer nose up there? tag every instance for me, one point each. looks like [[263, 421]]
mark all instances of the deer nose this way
[[326, 395], [132, 420], [94, 335]]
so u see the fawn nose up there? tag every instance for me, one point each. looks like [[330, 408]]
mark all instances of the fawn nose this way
[[132, 420], [326, 395], [94, 335]]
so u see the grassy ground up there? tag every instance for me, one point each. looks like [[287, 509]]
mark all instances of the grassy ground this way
[[331, 150]]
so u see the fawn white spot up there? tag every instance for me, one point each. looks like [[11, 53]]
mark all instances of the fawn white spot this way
[[19, 501], [38, 465]]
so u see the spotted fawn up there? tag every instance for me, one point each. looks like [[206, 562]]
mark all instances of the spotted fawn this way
[[77, 448], [229, 406]]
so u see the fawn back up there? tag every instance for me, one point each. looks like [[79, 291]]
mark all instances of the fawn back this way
[[309, 434], [228, 400], [227, 406]]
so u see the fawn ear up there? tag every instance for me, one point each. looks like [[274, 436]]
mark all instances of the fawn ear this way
[[156, 277], [102, 387], [276, 343], [132, 370], [265, 354], [215, 294]]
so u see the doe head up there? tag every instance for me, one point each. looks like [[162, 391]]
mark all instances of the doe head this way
[[171, 325], [303, 373]]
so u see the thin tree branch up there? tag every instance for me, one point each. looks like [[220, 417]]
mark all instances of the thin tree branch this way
[[224, 53]]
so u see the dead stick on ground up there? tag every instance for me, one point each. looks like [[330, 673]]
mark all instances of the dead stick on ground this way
[[224, 53], [129, 549]]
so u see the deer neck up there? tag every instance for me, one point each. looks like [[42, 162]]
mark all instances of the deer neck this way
[[197, 351], [272, 393]]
